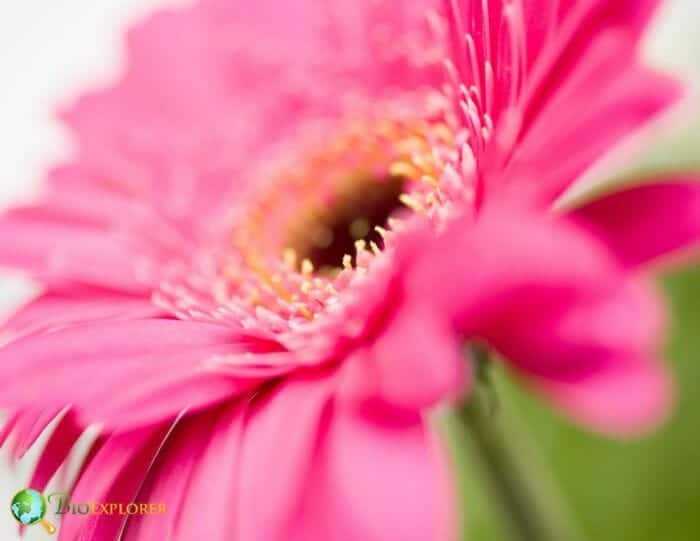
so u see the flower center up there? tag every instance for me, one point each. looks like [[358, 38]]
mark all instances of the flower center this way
[[330, 215]]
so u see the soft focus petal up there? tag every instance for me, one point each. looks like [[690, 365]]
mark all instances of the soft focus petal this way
[[292, 418], [645, 223], [607, 115], [58, 250], [372, 47], [129, 372], [238, 451], [114, 475], [320, 456], [56, 451], [182, 126], [503, 254], [414, 363], [532, 47], [7, 427], [524, 66], [547, 334], [547, 296], [324, 461], [169, 126], [627, 396], [169, 478], [74, 304], [579, 26], [25, 427], [377, 477]]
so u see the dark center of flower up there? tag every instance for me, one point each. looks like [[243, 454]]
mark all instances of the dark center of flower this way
[[330, 234]]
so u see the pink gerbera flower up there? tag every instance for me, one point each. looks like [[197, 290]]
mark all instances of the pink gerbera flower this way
[[282, 223]]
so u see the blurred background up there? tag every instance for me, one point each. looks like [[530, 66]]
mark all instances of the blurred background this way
[[632, 491]]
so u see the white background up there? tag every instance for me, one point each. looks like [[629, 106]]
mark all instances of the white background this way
[[51, 48]]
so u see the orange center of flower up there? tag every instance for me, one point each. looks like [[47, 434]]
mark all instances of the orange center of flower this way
[[330, 215]]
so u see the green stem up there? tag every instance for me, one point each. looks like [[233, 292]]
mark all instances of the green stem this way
[[523, 491]]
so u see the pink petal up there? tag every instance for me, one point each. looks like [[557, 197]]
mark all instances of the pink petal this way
[[69, 251], [506, 253], [543, 333], [173, 471], [27, 425], [58, 447], [645, 223], [185, 118], [321, 460], [377, 477], [351, 34], [220, 461], [113, 476], [291, 419], [415, 363], [629, 396], [238, 452], [543, 38], [159, 367], [74, 304], [578, 27], [81, 199], [8, 427], [575, 23], [544, 294], [529, 64], [612, 104]]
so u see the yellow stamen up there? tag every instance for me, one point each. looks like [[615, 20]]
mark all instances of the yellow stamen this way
[[412, 203], [443, 133], [424, 162], [307, 267], [382, 232], [290, 258], [430, 181], [393, 223], [404, 169], [304, 311]]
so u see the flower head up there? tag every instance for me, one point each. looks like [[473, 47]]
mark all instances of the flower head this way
[[282, 222]]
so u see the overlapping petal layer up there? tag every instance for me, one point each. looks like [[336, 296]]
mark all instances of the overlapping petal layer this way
[[550, 298]]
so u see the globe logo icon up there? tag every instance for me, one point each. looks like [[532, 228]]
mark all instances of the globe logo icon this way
[[29, 507]]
